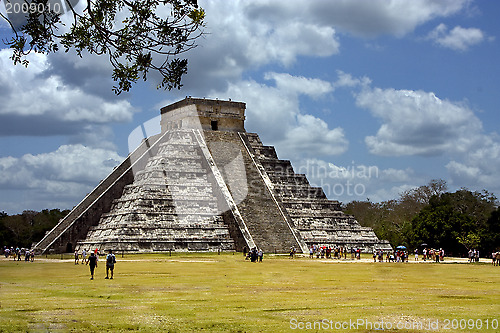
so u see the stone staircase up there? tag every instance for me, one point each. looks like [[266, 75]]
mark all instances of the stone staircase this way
[[261, 213]]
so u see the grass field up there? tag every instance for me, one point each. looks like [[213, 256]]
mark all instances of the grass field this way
[[225, 293]]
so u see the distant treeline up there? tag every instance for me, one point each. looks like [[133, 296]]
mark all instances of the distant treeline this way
[[22, 230], [430, 217]]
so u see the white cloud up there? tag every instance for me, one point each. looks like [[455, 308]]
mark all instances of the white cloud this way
[[264, 39], [478, 167], [239, 36], [248, 34], [463, 171], [384, 193], [55, 179], [396, 175], [360, 17], [276, 113], [356, 181], [418, 123], [69, 163], [311, 136], [458, 38], [347, 80], [95, 136], [299, 84], [29, 93]]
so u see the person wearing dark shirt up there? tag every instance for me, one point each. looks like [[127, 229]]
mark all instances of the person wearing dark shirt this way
[[110, 264], [92, 264]]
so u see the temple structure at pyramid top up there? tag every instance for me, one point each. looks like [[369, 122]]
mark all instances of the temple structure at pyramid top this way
[[205, 184], [205, 114]]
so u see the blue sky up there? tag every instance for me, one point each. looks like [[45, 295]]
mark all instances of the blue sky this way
[[369, 98]]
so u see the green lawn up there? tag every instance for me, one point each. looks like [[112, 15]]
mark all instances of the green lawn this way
[[225, 293]]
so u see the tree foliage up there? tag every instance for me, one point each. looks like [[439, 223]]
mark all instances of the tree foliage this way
[[6, 235], [455, 221], [490, 239], [470, 240], [27, 228], [428, 214], [134, 34], [392, 219]]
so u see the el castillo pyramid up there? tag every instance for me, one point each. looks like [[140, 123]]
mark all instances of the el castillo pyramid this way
[[205, 184]]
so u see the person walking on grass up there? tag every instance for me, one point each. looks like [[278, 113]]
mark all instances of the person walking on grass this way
[[84, 257], [92, 264], [110, 264]]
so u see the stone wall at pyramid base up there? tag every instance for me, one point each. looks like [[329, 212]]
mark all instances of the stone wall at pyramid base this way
[[144, 246], [360, 238]]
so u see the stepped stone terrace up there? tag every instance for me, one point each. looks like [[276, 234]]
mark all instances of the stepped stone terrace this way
[[205, 184]]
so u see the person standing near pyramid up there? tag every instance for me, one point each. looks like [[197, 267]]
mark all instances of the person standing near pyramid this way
[[110, 264], [92, 264]]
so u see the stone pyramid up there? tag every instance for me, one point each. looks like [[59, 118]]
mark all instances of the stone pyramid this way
[[205, 184]]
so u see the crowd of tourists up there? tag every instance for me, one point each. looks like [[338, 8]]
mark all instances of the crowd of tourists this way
[[336, 252], [93, 259], [397, 255], [341, 252], [254, 255], [83, 255], [473, 255], [431, 254], [401, 255], [19, 253]]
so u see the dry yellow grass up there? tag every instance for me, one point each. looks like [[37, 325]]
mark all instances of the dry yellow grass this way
[[225, 293]]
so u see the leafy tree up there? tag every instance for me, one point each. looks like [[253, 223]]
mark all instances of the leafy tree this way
[[490, 238], [392, 219], [134, 34], [454, 221], [29, 227], [415, 199], [19, 226], [6, 235], [470, 241], [366, 212]]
